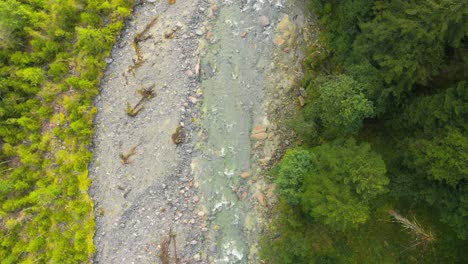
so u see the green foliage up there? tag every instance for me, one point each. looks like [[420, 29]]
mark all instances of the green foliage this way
[[442, 158], [422, 28], [292, 240], [391, 73], [337, 105], [343, 179], [292, 171], [48, 78], [14, 18]]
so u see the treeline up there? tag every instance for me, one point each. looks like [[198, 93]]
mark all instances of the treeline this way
[[381, 172], [51, 59]]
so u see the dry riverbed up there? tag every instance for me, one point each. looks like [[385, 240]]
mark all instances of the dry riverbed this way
[[224, 72]]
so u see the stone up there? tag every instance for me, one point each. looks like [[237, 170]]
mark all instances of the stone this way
[[245, 175], [108, 60], [265, 160], [196, 199], [213, 249], [259, 129], [193, 100], [301, 100], [199, 32], [179, 135], [243, 34], [259, 136], [244, 195], [260, 198], [201, 214], [264, 21], [197, 257], [279, 41], [193, 242], [209, 35]]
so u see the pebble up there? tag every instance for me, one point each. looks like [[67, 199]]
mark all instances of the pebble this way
[[201, 214], [196, 199], [193, 242], [197, 257], [264, 21]]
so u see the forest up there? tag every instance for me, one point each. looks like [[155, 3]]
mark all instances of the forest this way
[[51, 60], [380, 172]]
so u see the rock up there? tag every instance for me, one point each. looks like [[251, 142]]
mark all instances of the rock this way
[[259, 129], [279, 41], [196, 199], [302, 92], [244, 195], [265, 160], [197, 257], [179, 135], [259, 136], [271, 190], [260, 198], [209, 35], [193, 100], [199, 32], [243, 34], [301, 100], [108, 60], [213, 249], [271, 136], [169, 33], [245, 175], [193, 242], [201, 214], [264, 21], [189, 73]]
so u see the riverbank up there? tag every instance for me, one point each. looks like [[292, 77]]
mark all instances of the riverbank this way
[[220, 71]]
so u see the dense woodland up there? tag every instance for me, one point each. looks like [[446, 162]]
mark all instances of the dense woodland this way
[[51, 59], [380, 174]]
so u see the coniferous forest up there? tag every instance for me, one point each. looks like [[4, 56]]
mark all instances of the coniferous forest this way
[[381, 172], [51, 60]]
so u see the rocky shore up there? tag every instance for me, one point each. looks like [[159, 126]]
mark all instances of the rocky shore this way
[[153, 188]]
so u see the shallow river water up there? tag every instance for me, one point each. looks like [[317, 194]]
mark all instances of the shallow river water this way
[[233, 81]]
